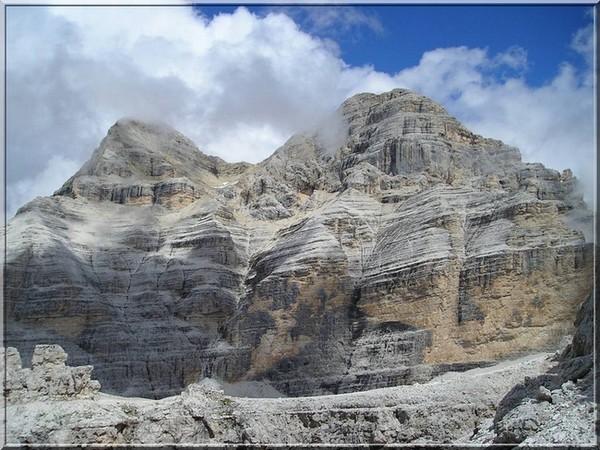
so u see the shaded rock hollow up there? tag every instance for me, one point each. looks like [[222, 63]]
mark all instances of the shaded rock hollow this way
[[402, 247]]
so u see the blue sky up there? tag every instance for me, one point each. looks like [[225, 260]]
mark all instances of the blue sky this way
[[240, 80], [544, 32], [396, 36]]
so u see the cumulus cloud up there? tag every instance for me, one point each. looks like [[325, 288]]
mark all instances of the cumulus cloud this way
[[240, 84]]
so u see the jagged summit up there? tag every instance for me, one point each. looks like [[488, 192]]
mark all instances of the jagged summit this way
[[371, 142], [378, 144], [401, 131], [135, 148], [385, 247], [146, 163]]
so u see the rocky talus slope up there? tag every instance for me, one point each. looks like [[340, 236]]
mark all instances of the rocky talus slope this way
[[386, 248], [534, 400]]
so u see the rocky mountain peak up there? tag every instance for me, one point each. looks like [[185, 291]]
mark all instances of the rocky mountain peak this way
[[380, 106], [387, 246], [140, 162], [377, 144], [402, 133], [403, 113], [133, 148]]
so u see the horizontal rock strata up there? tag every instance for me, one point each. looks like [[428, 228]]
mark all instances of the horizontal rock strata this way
[[386, 247], [536, 400]]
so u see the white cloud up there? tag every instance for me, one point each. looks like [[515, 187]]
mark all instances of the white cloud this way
[[514, 58], [58, 169], [583, 43], [239, 85], [341, 22]]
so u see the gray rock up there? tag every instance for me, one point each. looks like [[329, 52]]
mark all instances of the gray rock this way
[[544, 394], [385, 246], [453, 409], [439, 412], [49, 378], [523, 422]]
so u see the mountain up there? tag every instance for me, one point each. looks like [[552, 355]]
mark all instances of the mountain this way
[[388, 246]]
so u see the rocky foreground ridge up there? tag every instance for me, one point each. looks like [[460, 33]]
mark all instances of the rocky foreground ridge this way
[[389, 247], [536, 401]]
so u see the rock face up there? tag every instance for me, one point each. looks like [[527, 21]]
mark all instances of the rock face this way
[[386, 248]]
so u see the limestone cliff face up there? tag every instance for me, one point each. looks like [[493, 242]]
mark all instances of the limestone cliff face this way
[[388, 246]]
